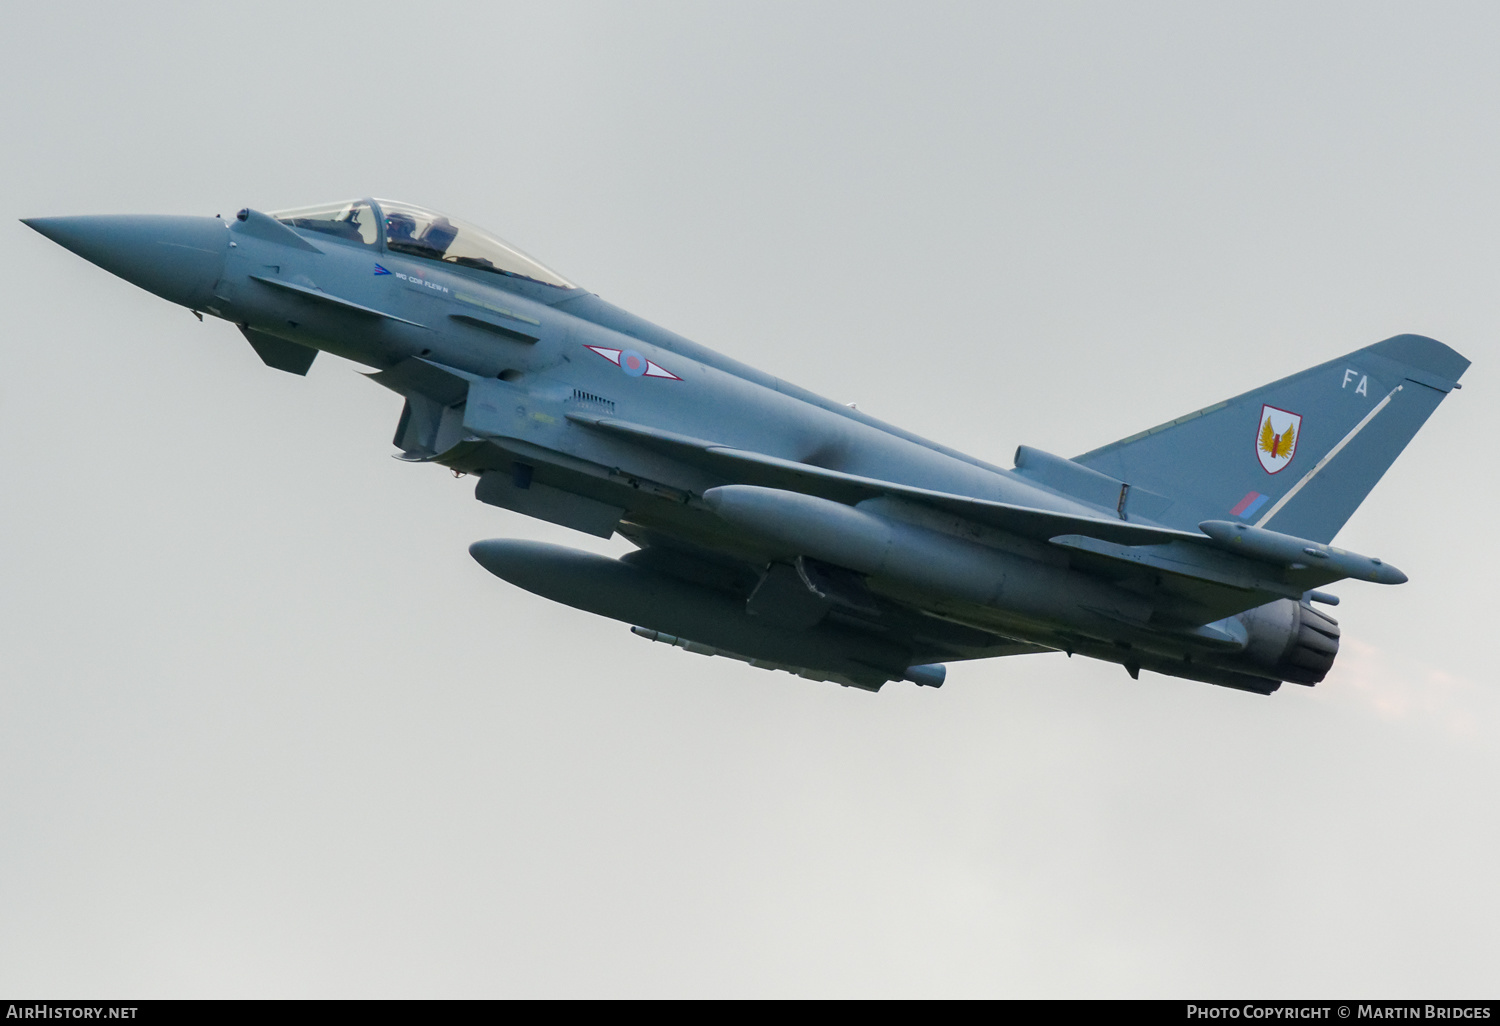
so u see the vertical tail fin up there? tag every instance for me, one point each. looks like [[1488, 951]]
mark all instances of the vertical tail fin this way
[[1298, 455]]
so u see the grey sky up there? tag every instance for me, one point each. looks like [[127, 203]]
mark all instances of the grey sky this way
[[266, 729]]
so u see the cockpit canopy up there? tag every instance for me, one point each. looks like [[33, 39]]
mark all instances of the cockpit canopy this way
[[419, 232]]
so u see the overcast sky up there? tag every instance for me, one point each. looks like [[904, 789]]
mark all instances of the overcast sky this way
[[267, 730]]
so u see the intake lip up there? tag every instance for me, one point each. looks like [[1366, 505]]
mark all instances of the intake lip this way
[[176, 258]]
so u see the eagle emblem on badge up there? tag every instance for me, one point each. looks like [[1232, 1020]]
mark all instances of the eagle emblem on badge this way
[[1276, 439]]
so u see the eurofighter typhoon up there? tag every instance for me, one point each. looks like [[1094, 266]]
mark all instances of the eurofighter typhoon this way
[[788, 531]]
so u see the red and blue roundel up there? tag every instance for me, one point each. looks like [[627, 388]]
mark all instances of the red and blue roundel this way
[[633, 363]]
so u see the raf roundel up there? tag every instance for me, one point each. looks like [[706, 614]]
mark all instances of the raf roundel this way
[[633, 363]]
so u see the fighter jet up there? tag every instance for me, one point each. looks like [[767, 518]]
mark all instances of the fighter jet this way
[[792, 532]]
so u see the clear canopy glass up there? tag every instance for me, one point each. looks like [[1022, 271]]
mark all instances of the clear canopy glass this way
[[418, 232], [353, 221]]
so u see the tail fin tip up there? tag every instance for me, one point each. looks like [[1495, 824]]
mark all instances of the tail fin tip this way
[[1423, 354]]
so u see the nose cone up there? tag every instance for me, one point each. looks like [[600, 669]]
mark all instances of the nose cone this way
[[176, 258]]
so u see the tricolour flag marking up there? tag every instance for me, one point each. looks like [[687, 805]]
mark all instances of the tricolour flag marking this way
[[1249, 504]]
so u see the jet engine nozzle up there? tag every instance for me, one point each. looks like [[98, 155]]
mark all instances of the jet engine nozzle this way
[[176, 258], [1290, 640]]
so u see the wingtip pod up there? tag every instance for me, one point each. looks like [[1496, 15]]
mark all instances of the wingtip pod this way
[[1275, 547]]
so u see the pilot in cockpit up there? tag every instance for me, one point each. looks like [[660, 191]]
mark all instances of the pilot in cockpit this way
[[400, 229]]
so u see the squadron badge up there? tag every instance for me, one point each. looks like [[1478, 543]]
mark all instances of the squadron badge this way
[[1276, 438]]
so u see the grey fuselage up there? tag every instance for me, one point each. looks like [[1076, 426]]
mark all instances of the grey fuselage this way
[[523, 391], [736, 485]]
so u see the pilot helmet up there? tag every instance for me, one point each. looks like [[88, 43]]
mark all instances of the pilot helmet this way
[[400, 227]]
